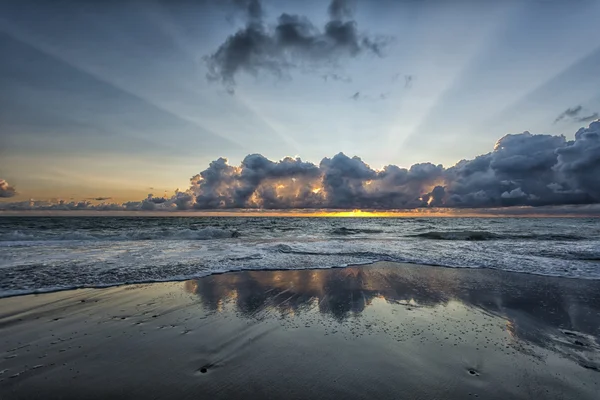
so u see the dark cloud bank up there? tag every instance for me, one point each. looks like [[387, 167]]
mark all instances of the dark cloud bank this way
[[292, 41], [522, 170]]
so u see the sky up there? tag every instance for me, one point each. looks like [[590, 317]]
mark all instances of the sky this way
[[110, 101]]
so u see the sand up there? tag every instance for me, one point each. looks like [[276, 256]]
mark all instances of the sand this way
[[385, 331]]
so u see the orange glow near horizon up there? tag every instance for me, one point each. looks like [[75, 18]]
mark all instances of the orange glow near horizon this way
[[362, 214], [415, 213]]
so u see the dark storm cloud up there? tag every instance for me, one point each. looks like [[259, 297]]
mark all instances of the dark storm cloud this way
[[532, 170], [294, 40], [6, 190], [579, 162], [256, 183], [523, 170]]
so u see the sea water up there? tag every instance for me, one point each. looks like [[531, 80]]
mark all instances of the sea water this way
[[40, 254]]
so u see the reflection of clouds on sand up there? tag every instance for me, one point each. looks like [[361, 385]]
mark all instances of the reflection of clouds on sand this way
[[336, 292], [562, 315]]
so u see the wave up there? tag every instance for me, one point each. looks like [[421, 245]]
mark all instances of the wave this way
[[457, 235], [369, 256], [354, 231], [67, 265], [178, 234], [486, 235], [126, 279]]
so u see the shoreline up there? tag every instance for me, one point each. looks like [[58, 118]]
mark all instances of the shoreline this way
[[233, 271], [357, 332]]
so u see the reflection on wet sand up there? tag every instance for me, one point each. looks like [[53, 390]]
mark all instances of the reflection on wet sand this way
[[379, 331], [558, 314]]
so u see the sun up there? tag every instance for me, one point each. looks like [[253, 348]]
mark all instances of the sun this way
[[355, 214]]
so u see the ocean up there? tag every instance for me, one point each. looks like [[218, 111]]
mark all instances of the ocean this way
[[40, 254]]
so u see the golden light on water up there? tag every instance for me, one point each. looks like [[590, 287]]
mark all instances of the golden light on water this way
[[357, 213]]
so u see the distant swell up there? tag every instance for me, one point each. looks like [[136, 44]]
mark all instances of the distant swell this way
[[458, 235], [485, 235], [178, 234], [354, 231]]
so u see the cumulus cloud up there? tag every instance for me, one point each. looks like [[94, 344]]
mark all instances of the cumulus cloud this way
[[578, 163], [522, 171], [6, 190], [293, 41]]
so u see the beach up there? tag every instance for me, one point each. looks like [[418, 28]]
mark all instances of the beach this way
[[387, 330]]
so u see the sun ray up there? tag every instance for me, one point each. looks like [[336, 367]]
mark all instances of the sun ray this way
[[455, 73], [95, 72]]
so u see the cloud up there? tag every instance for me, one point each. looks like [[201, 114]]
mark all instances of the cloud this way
[[573, 113], [6, 190], [522, 172], [408, 79], [579, 162], [370, 97], [514, 194], [340, 9], [589, 118], [60, 205], [336, 77], [569, 112], [100, 198], [294, 40], [252, 8]]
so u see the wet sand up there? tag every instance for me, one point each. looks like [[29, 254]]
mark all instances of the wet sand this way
[[380, 331]]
